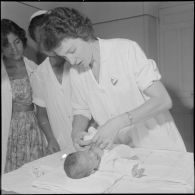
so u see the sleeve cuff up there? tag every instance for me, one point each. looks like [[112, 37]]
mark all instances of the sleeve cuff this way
[[82, 112], [39, 102], [151, 74], [149, 83]]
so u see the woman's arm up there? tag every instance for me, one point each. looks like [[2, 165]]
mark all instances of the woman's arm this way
[[43, 120], [158, 102], [79, 127]]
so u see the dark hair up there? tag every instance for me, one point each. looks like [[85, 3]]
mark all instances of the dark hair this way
[[70, 166], [63, 22], [70, 163], [37, 21], [7, 27]]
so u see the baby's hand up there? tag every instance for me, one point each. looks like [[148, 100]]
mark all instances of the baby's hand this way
[[92, 146], [137, 172]]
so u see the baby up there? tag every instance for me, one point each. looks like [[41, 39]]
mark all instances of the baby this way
[[83, 163], [121, 158]]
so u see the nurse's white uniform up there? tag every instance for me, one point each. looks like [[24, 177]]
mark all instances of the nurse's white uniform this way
[[56, 98], [124, 73]]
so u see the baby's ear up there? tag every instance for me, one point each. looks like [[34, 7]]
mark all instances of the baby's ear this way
[[93, 171]]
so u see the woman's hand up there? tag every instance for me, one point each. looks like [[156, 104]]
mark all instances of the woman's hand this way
[[43, 119], [79, 143], [107, 133], [53, 146]]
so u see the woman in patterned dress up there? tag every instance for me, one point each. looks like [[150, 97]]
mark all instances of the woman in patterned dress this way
[[23, 141]]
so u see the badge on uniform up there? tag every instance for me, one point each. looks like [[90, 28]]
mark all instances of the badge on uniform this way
[[114, 80]]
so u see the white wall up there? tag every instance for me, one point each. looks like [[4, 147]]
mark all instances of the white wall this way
[[176, 32], [132, 20], [140, 29]]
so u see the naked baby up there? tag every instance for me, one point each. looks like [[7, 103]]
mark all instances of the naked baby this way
[[121, 158]]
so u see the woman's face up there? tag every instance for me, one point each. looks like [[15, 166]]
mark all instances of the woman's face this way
[[14, 48], [37, 41], [76, 51]]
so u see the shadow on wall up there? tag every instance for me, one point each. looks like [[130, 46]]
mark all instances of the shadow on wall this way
[[183, 116]]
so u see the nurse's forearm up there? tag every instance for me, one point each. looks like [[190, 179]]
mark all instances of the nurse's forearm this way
[[149, 109], [159, 101], [80, 124]]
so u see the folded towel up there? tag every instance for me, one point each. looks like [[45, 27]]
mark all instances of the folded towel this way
[[91, 132]]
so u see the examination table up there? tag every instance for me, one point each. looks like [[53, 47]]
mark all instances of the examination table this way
[[166, 172]]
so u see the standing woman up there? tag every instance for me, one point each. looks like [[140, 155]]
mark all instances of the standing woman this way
[[22, 140], [113, 81], [52, 94]]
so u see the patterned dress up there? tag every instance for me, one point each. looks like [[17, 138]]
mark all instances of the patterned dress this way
[[26, 142]]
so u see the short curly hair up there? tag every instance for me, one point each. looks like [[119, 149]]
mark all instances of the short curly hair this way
[[63, 22], [7, 27]]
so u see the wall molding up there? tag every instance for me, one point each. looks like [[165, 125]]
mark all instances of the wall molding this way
[[127, 18]]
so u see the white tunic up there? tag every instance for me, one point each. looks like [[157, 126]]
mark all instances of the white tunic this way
[[56, 98], [124, 73]]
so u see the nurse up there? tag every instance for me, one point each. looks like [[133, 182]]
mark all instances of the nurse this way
[[52, 94], [112, 81]]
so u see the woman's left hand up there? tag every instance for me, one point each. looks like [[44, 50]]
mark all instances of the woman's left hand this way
[[106, 134], [53, 147]]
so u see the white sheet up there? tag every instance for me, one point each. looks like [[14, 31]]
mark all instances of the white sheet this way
[[161, 165], [167, 172], [113, 166], [57, 181], [20, 180]]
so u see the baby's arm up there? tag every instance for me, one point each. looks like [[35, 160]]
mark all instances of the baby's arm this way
[[125, 151]]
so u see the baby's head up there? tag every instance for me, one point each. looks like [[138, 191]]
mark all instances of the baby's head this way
[[82, 163]]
